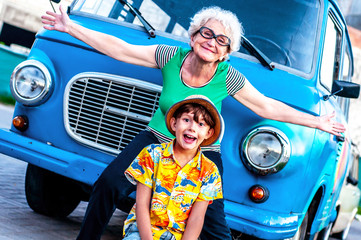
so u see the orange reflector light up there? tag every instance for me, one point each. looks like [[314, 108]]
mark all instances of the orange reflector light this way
[[21, 123], [258, 194]]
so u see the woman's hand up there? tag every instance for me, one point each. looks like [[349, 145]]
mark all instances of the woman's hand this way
[[59, 22], [327, 124], [109, 45]]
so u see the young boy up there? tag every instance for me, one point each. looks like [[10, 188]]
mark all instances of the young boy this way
[[175, 181]]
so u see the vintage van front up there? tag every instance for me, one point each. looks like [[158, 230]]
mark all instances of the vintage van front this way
[[77, 108]]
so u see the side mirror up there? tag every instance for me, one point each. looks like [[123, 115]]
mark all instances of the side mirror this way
[[344, 89], [56, 1], [352, 181]]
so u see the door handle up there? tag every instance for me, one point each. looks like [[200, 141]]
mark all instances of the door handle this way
[[340, 138]]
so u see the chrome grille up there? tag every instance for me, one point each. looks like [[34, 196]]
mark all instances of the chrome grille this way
[[106, 111]]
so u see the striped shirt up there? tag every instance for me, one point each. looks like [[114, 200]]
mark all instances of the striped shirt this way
[[234, 80]]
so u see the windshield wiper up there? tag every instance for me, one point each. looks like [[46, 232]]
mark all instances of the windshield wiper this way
[[138, 14], [265, 61]]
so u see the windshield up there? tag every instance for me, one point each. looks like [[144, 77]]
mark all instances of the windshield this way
[[284, 30]]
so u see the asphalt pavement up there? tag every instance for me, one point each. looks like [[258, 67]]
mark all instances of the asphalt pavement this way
[[19, 222]]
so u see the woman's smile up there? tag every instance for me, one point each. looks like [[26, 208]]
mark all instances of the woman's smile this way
[[208, 49]]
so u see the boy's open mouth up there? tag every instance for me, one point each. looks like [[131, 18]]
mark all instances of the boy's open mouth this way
[[189, 138]]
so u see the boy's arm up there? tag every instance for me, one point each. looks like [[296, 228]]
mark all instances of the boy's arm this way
[[195, 220], [142, 211]]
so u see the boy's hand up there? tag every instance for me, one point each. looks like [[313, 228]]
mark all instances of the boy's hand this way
[[195, 220], [143, 200], [59, 22]]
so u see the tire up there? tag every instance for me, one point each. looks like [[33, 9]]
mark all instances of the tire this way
[[50, 194], [324, 234], [343, 234]]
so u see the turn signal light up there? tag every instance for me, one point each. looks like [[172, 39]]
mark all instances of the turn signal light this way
[[21, 123], [258, 193]]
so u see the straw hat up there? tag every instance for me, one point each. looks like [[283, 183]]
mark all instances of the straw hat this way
[[207, 104]]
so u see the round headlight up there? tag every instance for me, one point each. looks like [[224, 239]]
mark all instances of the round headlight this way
[[265, 150], [30, 83]]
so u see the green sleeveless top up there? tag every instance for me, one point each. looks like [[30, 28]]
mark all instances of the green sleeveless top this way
[[175, 90]]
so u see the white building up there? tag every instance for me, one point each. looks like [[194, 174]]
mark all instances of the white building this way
[[21, 19]]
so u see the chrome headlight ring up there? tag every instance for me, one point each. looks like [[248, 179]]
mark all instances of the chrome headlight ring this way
[[265, 150], [31, 83]]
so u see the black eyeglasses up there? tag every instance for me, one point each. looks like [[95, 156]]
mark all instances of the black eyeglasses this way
[[209, 34]]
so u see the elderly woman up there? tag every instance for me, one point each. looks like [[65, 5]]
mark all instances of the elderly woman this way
[[214, 33]]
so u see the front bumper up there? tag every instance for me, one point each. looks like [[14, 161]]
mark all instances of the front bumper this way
[[261, 223], [256, 222], [68, 164]]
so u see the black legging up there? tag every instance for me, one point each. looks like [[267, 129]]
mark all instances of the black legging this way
[[112, 187]]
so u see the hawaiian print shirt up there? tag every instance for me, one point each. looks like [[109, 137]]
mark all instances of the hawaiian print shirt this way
[[175, 189]]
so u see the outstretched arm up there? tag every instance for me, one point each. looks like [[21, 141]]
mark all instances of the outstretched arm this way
[[142, 211], [107, 44], [195, 220], [272, 109]]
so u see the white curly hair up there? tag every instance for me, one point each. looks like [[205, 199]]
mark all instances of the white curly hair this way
[[228, 19]]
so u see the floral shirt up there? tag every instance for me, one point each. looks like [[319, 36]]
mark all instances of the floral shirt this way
[[174, 188]]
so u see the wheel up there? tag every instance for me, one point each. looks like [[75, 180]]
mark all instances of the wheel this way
[[324, 234], [49, 193], [301, 232], [343, 234]]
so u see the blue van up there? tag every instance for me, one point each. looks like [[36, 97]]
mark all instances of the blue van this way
[[76, 109]]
